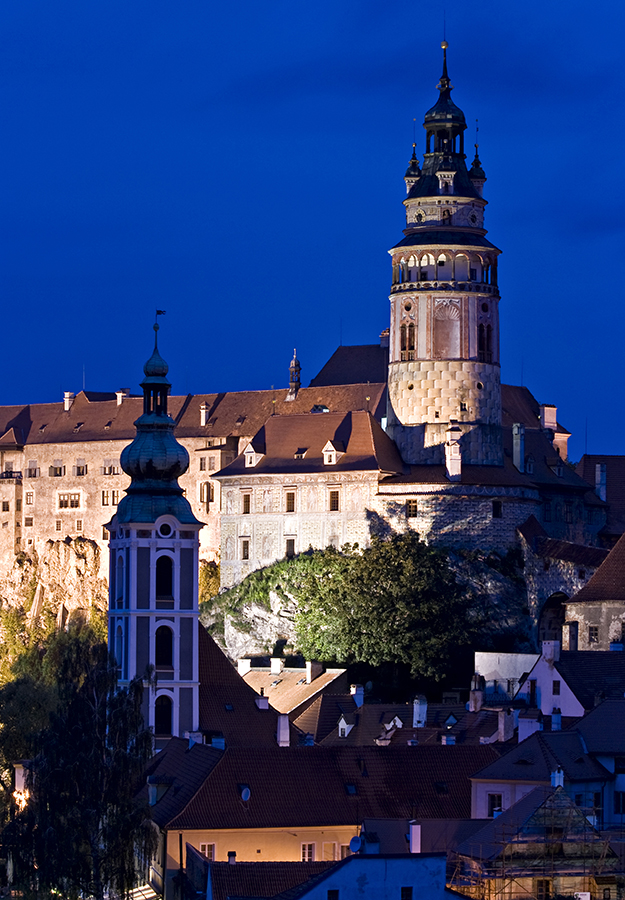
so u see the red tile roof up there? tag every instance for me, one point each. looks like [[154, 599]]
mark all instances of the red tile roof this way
[[608, 582], [261, 879]]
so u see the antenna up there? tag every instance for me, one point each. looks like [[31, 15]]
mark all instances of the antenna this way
[[444, 24], [476, 135]]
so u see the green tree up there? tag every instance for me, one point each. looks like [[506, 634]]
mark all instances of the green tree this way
[[396, 601], [81, 830]]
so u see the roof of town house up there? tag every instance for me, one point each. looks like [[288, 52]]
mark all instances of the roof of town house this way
[[549, 548], [519, 405], [593, 675], [608, 582], [603, 728], [228, 705], [378, 724], [181, 770], [288, 689], [536, 811], [347, 365], [261, 879], [614, 483], [295, 443], [98, 416], [323, 714], [316, 786], [436, 835], [535, 758]]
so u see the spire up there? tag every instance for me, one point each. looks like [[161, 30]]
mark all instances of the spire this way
[[295, 379], [445, 110], [414, 170], [444, 84]]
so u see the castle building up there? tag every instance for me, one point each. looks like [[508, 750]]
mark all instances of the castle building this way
[[153, 567]]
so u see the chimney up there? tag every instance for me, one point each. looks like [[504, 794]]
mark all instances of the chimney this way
[[518, 446], [194, 737], [121, 395], [476, 697], [385, 337], [601, 481], [415, 837], [277, 664], [283, 736], [505, 725], [313, 670], [203, 414], [358, 693], [68, 399], [453, 454], [556, 719], [262, 702], [551, 651], [244, 666], [548, 416], [232, 857], [557, 777], [419, 711]]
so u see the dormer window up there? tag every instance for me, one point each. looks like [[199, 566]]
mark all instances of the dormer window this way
[[300, 453], [332, 452], [329, 458], [252, 456]]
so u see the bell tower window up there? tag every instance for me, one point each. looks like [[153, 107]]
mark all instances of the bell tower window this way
[[164, 578], [164, 648], [162, 716]]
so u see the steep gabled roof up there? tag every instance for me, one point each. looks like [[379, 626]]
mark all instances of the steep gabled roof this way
[[603, 728], [539, 755], [608, 582], [353, 365], [593, 674]]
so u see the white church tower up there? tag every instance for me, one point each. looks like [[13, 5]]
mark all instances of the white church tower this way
[[153, 593], [444, 334]]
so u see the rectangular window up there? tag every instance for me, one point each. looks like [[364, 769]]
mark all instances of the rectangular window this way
[[18, 505], [30, 498], [245, 549], [547, 512], [105, 533], [406, 893], [208, 850], [593, 634], [114, 498], [57, 525], [290, 548], [568, 513], [497, 509], [57, 469], [412, 509], [494, 804], [555, 688], [202, 463], [69, 501], [32, 471], [5, 506], [28, 521], [81, 467], [247, 504], [105, 498], [207, 492], [334, 501], [211, 463], [308, 852], [333, 894], [79, 525], [619, 803], [543, 889], [345, 851], [329, 851], [290, 501]]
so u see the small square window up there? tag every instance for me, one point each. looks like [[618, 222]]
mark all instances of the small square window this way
[[334, 501], [290, 501], [406, 893], [28, 521], [208, 850], [412, 509], [333, 894]]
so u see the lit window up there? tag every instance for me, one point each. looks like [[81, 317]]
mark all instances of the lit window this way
[[290, 501], [208, 850], [412, 509], [308, 852], [334, 501]]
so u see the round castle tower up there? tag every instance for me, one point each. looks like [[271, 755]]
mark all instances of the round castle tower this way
[[444, 334]]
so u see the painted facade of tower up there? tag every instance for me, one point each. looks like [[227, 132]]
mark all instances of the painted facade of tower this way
[[153, 580], [444, 333]]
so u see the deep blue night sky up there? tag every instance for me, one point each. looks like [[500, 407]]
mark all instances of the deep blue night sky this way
[[240, 165]]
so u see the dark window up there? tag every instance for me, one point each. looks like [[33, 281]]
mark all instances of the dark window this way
[[333, 894], [579, 799], [334, 501], [57, 525], [547, 512], [69, 501], [202, 463], [412, 509], [105, 498], [543, 889], [290, 548], [5, 506], [494, 804], [162, 716], [245, 549], [247, 504], [114, 498], [290, 501], [555, 688], [497, 509], [164, 645], [619, 802], [593, 634], [568, 512], [28, 521], [164, 576], [406, 893]]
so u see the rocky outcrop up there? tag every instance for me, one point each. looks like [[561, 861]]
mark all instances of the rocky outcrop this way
[[63, 580]]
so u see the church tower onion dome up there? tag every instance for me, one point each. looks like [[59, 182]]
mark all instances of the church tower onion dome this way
[[155, 460]]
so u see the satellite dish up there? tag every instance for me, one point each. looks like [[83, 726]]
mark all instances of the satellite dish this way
[[246, 794], [355, 844]]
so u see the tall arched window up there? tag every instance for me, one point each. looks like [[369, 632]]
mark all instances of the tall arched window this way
[[162, 715], [164, 577], [119, 582], [164, 648], [119, 647], [411, 338], [481, 343], [403, 338], [489, 343]]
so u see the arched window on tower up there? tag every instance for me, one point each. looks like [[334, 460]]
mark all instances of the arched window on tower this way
[[162, 716], [411, 340], [119, 649], [489, 343], [164, 581], [481, 343], [164, 649], [446, 217], [403, 336], [119, 583]]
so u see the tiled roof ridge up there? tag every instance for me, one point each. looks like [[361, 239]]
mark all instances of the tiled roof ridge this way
[[183, 809]]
